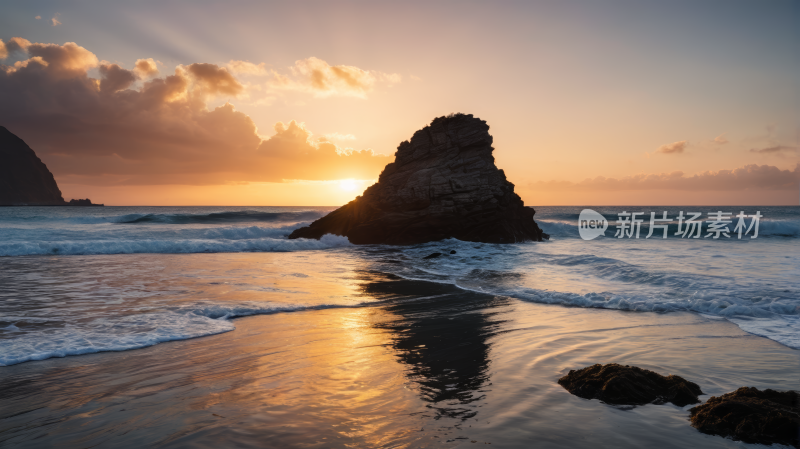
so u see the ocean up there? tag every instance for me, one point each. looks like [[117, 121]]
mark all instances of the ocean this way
[[207, 327], [79, 280]]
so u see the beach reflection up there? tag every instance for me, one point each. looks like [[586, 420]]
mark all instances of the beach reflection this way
[[442, 334]]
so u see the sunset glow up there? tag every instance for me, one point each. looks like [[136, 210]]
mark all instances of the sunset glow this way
[[581, 111], [411, 224], [348, 185]]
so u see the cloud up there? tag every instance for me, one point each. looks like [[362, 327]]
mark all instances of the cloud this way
[[121, 130], [301, 157], [338, 136], [672, 148], [145, 68], [214, 80], [38, 17], [55, 20], [115, 78], [748, 177], [720, 139], [774, 150], [315, 76], [390, 78], [14, 44], [58, 61], [247, 68]]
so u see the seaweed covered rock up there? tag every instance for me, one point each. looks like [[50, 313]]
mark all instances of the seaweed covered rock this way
[[629, 385], [443, 184], [751, 415]]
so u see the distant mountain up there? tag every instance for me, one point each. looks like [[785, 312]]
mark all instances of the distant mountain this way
[[24, 179]]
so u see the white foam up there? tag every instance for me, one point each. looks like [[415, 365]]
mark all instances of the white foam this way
[[130, 332], [778, 320], [783, 329], [135, 331]]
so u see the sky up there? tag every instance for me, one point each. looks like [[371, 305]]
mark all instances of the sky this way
[[303, 103]]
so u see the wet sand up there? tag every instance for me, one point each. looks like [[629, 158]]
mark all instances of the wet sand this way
[[427, 365]]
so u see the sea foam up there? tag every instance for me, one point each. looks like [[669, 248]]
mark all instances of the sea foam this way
[[134, 331]]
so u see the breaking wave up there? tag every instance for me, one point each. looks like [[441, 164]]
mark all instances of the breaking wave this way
[[134, 331], [209, 218], [173, 246]]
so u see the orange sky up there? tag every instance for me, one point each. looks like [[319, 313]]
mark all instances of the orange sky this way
[[588, 102]]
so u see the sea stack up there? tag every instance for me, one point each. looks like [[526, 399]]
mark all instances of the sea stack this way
[[443, 184], [24, 179]]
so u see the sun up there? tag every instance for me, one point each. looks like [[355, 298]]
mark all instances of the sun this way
[[348, 185]]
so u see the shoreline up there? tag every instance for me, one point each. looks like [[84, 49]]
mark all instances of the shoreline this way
[[428, 364]]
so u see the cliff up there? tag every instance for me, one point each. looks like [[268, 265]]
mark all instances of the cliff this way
[[24, 178], [443, 184]]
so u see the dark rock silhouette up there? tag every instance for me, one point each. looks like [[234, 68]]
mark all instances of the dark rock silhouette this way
[[751, 415], [442, 184], [25, 179], [86, 202], [629, 385]]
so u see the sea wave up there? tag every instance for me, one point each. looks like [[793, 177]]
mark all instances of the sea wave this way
[[208, 218], [708, 301], [763, 308], [767, 228], [172, 246], [133, 331], [774, 318], [240, 233]]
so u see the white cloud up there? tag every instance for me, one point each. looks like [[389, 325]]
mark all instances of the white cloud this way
[[317, 77], [247, 68]]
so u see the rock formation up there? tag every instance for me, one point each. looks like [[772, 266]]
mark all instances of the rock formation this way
[[629, 385], [442, 184], [751, 415], [24, 179], [85, 202]]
